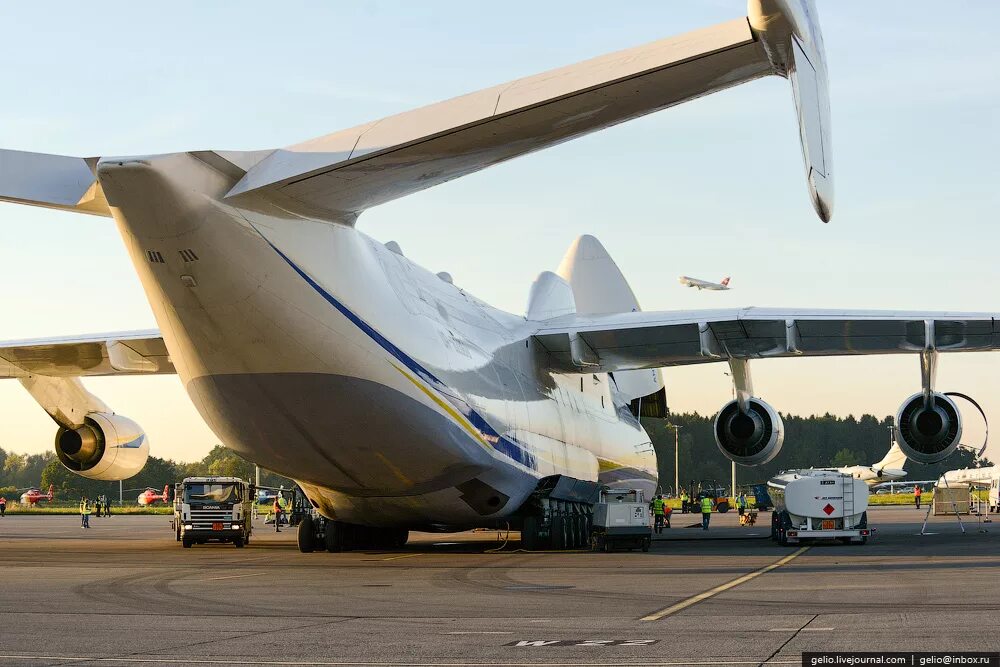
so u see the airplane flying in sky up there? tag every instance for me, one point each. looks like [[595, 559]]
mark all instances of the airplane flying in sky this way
[[396, 399], [151, 496], [704, 284], [33, 496]]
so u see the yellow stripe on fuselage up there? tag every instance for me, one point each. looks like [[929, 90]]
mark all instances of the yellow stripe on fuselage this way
[[446, 407]]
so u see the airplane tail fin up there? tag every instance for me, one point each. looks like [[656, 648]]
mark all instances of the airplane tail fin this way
[[894, 459], [600, 288]]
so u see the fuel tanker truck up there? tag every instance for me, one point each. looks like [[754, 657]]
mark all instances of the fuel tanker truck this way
[[818, 504]]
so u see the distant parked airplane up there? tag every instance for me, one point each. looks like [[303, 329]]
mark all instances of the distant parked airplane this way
[[704, 284]]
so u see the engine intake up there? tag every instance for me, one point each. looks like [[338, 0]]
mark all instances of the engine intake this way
[[749, 439], [106, 447], [928, 436]]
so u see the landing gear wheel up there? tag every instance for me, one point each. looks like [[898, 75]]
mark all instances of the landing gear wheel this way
[[333, 536], [307, 535], [529, 533], [558, 533]]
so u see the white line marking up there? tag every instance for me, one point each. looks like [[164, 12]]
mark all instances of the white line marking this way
[[234, 576], [684, 604], [800, 629], [479, 632]]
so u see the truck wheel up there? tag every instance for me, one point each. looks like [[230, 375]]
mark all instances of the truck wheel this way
[[306, 535], [645, 545], [722, 508], [186, 543], [178, 533], [238, 542]]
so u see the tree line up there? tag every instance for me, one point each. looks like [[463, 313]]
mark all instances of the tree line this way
[[20, 471], [815, 441], [810, 442]]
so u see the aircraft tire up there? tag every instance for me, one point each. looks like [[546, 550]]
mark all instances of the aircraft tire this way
[[333, 536], [306, 536], [529, 533], [558, 533]]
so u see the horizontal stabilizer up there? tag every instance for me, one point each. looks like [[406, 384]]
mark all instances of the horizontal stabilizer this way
[[51, 181]]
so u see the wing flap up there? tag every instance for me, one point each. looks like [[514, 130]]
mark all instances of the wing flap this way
[[121, 353], [630, 341]]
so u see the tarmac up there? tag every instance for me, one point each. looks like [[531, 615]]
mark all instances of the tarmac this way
[[126, 593]]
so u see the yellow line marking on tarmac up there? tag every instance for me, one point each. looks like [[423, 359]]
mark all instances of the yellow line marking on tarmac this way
[[236, 576], [684, 604]]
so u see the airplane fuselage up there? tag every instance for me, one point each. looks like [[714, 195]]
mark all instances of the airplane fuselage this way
[[392, 396]]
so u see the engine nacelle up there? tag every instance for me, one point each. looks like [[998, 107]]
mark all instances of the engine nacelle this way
[[106, 447], [928, 436], [749, 439]]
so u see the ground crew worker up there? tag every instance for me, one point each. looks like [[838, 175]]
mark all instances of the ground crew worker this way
[[738, 501], [3, 506], [706, 512], [684, 502], [84, 513], [658, 506], [107, 506], [916, 495], [277, 516], [97, 506]]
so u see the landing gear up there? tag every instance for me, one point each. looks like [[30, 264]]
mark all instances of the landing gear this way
[[558, 525], [307, 535]]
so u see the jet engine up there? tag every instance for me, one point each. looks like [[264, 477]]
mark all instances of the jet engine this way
[[752, 438], [928, 435], [106, 447]]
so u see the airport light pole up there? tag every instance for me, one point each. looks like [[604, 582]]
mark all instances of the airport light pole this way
[[677, 487]]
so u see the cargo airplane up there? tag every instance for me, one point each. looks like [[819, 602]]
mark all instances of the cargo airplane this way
[[395, 398]]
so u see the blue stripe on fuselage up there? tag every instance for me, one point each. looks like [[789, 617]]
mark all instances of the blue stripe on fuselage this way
[[500, 443]]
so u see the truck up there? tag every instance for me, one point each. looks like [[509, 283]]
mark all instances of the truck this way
[[215, 509], [818, 504], [621, 520]]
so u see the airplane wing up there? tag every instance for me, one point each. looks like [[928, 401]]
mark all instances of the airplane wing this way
[[344, 173], [118, 353], [629, 341]]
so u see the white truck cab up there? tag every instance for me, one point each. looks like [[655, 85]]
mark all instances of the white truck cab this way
[[213, 509]]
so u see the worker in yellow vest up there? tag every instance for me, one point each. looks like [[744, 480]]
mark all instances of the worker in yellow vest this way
[[84, 513], [684, 502], [659, 506], [706, 512]]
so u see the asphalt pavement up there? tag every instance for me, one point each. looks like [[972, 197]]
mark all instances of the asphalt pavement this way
[[125, 593]]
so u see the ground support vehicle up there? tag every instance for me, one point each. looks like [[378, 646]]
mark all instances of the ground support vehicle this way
[[215, 509], [621, 521], [818, 504]]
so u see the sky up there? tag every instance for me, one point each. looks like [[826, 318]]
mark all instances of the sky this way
[[711, 188]]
